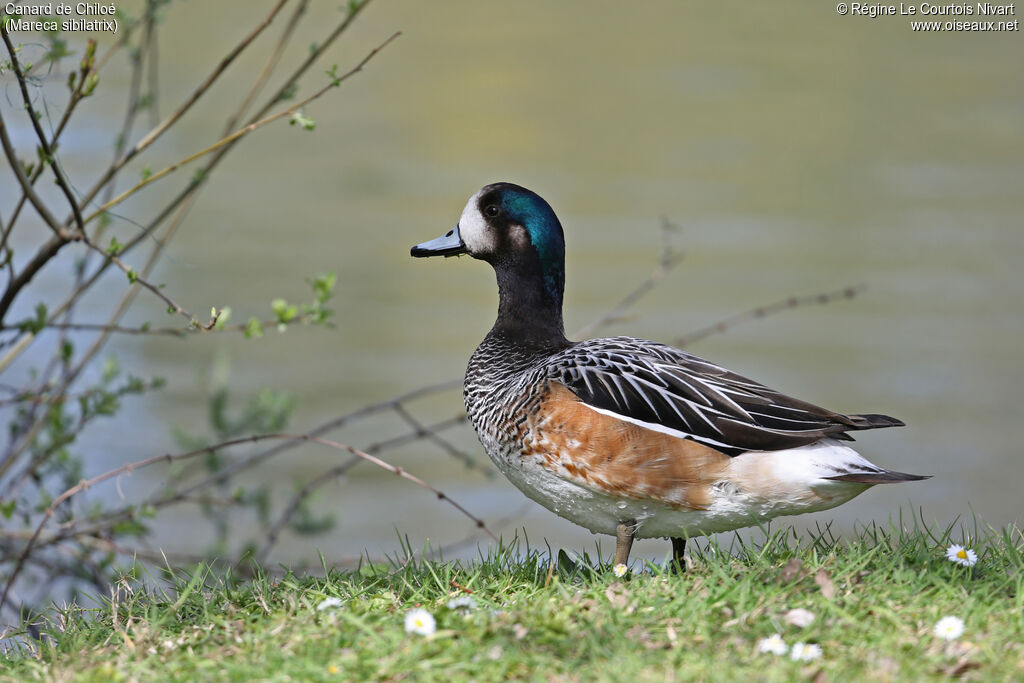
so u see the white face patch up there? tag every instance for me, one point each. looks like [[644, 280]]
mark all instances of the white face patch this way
[[473, 228]]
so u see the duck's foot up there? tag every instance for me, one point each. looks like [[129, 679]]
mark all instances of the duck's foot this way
[[624, 541], [678, 561]]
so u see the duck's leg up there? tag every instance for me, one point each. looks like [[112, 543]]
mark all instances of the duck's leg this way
[[678, 548], [624, 541]]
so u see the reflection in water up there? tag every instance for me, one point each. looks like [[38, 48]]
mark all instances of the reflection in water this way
[[796, 150]]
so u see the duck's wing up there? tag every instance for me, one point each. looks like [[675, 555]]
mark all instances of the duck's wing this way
[[663, 388]]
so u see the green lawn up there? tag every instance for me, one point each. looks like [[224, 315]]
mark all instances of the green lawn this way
[[875, 601]]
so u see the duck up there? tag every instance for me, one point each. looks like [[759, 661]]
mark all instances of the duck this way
[[628, 437]]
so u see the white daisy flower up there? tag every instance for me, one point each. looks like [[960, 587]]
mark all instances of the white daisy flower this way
[[961, 555], [949, 628], [799, 617], [620, 570], [420, 621], [329, 603], [463, 603], [805, 652], [773, 644]]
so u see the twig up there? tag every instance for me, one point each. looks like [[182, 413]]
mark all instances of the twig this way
[[118, 329], [268, 68], [668, 261], [26, 186], [168, 458], [40, 259], [293, 506], [50, 156], [154, 134], [341, 470], [135, 278], [423, 432], [181, 203], [241, 132], [771, 309], [131, 111], [104, 521], [253, 460], [161, 331], [76, 97], [314, 55], [152, 62], [38, 396], [330, 425]]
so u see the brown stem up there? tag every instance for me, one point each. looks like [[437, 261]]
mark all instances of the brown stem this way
[[786, 304], [239, 133], [42, 257], [159, 130], [268, 68], [48, 152], [85, 484]]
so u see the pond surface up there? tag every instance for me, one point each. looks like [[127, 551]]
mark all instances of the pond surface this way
[[795, 151]]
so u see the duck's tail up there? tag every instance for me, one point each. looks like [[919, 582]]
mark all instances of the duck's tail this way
[[874, 421], [883, 477]]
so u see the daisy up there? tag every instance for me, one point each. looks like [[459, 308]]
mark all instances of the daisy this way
[[949, 628], [961, 555], [420, 622], [805, 652], [620, 570], [774, 644], [329, 603]]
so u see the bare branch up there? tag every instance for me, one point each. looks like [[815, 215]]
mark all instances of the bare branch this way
[[26, 186], [152, 136], [41, 258], [76, 97], [268, 68], [241, 132], [768, 310], [293, 506], [314, 55], [85, 484], [153, 73], [668, 261], [50, 156], [423, 432]]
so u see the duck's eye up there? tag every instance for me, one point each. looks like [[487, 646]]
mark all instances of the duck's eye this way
[[491, 210]]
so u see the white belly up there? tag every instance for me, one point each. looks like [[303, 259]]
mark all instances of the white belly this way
[[756, 487]]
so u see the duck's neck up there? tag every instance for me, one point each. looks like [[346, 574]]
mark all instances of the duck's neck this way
[[529, 309]]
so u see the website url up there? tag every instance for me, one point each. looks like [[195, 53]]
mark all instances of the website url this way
[[940, 26]]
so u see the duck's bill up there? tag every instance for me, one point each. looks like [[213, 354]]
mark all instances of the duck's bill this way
[[449, 244]]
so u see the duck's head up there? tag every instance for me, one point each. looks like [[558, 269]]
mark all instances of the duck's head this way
[[514, 230]]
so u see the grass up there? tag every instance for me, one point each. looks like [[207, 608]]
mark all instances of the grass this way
[[875, 599]]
